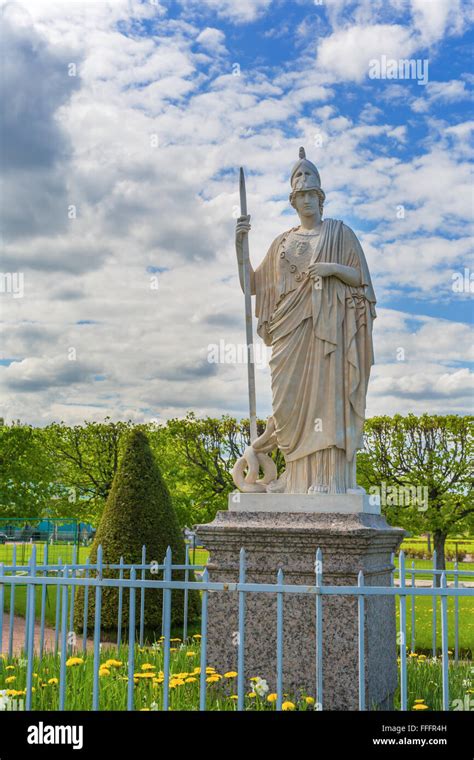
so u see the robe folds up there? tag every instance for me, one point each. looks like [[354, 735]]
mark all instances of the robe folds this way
[[322, 351]]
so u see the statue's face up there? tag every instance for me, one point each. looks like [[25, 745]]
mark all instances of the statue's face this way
[[307, 203]]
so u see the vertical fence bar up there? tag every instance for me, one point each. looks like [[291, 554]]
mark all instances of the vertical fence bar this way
[[12, 606], [27, 627], [434, 624], [319, 630], [142, 598], [280, 639], [98, 610], [444, 644], [131, 642], [58, 610], [2, 603], [392, 571], [241, 639], [30, 625], [456, 614], [203, 661], [163, 605], [62, 666], [361, 610], [73, 594], [167, 631], [44, 590], [413, 619], [85, 622], [120, 606], [186, 594], [403, 632]]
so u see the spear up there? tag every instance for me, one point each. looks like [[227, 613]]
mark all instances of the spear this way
[[248, 315]]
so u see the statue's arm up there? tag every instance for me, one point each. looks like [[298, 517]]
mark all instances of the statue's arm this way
[[348, 275], [241, 230]]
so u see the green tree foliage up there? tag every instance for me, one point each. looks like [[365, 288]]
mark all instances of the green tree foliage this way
[[27, 474], [86, 459], [138, 512], [434, 453]]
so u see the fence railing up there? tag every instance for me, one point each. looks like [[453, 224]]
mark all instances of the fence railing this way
[[65, 579]]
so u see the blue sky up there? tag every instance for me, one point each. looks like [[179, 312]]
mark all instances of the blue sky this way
[[126, 127]]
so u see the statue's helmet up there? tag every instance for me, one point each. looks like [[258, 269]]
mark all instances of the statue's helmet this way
[[305, 176]]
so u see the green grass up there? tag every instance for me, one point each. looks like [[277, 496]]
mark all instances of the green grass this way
[[424, 682], [424, 624], [56, 552]]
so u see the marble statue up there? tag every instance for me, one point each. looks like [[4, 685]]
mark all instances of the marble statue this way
[[315, 307]]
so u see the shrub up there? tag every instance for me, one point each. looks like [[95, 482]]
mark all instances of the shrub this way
[[138, 512]]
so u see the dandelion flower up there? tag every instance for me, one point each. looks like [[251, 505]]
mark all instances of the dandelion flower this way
[[272, 698], [190, 654], [148, 666], [230, 674], [309, 700], [191, 679], [288, 706], [74, 661], [53, 681], [419, 706], [10, 679]]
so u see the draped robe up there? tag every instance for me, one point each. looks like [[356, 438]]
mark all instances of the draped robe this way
[[322, 353]]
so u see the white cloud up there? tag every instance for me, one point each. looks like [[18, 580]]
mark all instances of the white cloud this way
[[346, 54]]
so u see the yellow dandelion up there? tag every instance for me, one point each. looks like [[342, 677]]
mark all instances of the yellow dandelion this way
[[234, 696], [288, 706], [104, 672], [309, 700], [213, 679], [191, 679], [53, 681], [72, 661], [272, 698], [10, 679], [148, 666], [419, 701], [190, 654], [10, 667], [420, 707], [230, 674], [197, 636], [251, 694]]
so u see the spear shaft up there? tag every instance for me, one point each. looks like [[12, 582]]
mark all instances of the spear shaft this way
[[248, 315]]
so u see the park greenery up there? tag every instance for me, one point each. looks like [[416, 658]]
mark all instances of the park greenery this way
[[422, 467]]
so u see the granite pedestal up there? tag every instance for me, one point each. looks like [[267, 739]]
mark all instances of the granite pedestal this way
[[284, 531]]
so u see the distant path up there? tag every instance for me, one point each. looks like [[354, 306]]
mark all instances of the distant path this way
[[19, 636]]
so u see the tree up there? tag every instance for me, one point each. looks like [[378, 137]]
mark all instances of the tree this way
[[423, 467], [27, 473], [138, 512], [86, 458]]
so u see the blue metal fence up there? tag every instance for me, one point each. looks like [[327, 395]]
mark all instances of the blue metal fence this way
[[92, 577]]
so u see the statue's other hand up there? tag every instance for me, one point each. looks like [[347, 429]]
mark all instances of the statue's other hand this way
[[321, 269]]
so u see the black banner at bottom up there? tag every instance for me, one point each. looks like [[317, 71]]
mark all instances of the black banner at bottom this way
[[125, 735]]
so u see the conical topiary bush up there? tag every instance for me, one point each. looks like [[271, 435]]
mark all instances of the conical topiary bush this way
[[138, 512]]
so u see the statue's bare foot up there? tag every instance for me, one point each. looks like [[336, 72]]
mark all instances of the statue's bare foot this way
[[318, 488]]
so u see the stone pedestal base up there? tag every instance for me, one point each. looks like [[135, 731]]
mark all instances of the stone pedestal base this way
[[349, 542]]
